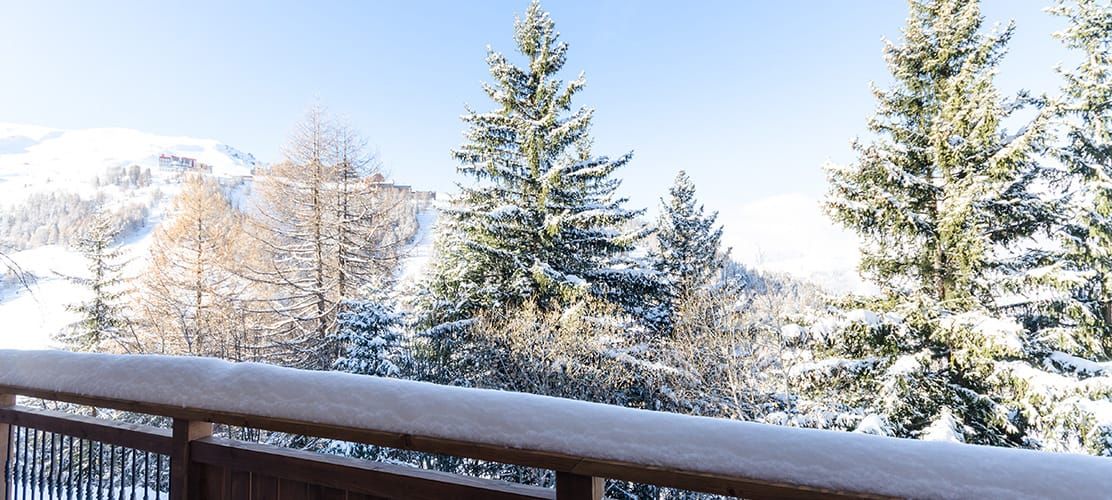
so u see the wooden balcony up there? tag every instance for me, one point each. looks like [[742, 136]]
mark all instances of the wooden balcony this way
[[190, 463], [50, 454]]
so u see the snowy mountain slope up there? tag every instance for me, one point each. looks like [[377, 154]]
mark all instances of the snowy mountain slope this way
[[41, 159], [31, 315], [37, 159], [417, 256]]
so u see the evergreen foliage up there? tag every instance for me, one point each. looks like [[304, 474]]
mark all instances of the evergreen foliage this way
[[1083, 314], [369, 335], [942, 198], [688, 252], [541, 222], [103, 323]]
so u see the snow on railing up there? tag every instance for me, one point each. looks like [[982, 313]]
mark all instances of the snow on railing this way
[[829, 460]]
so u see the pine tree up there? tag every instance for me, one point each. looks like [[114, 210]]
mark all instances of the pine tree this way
[[191, 300], [102, 324], [688, 252], [943, 193], [943, 202], [542, 221], [369, 336], [1085, 268], [1062, 391]]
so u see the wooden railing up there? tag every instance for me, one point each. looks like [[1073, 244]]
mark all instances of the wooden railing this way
[[49, 454], [205, 467]]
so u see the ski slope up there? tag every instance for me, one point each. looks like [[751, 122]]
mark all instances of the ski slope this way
[[418, 255]]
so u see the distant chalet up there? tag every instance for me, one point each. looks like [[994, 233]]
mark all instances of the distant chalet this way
[[182, 164], [379, 181]]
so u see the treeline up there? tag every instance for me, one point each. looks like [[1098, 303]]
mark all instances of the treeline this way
[[132, 177], [60, 219]]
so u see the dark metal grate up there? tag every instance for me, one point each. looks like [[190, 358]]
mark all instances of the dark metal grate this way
[[50, 466]]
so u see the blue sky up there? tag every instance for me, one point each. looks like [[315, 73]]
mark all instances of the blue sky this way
[[749, 97]]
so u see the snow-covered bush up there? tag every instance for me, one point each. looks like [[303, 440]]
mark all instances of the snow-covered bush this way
[[369, 339]]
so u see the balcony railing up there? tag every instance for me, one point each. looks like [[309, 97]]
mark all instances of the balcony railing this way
[[50, 454]]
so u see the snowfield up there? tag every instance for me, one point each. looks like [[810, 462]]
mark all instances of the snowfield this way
[[825, 459]]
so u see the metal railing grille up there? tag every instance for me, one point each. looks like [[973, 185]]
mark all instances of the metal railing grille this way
[[45, 465]]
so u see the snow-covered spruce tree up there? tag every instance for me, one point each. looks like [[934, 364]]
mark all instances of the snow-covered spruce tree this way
[[1084, 270], [541, 222], [369, 335], [942, 200], [943, 190], [688, 252], [1065, 391], [103, 325]]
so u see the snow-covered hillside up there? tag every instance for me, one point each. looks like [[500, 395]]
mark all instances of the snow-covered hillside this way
[[40, 159], [417, 256], [37, 159]]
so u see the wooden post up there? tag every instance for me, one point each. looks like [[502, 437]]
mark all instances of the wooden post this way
[[6, 401], [184, 474], [576, 487]]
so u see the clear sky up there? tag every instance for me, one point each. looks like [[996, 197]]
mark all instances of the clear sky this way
[[750, 97]]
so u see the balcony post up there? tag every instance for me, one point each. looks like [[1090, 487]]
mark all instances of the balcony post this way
[[576, 487], [185, 480], [6, 401]]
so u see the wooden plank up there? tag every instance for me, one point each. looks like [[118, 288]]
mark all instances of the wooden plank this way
[[185, 476], [215, 483], [139, 437], [289, 489], [694, 480], [7, 401], [356, 476], [264, 487], [575, 487], [318, 492], [239, 485]]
